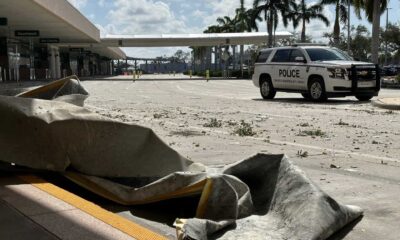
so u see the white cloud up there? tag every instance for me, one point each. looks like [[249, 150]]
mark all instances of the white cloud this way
[[176, 16], [199, 14], [221, 8], [79, 4], [101, 3], [145, 17]]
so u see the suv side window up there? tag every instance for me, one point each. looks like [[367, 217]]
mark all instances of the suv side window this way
[[296, 53], [263, 56], [281, 55]]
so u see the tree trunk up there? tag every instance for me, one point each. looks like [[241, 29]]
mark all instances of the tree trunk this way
[[375, 32], [303, 31], [269, 30], [336, 27], [241, 59]]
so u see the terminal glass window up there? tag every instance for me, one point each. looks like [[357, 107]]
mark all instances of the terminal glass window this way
[[281, 55], [263, 56]]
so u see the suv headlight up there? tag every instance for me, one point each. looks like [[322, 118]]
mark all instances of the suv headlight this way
[[339, 73]]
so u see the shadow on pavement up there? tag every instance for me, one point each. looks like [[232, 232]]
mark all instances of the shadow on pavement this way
[[305, 101], [147, 79]]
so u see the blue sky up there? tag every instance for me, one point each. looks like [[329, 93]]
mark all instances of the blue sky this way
[[184, 16]]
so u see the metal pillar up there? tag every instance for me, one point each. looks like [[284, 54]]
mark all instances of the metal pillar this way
[[52, 61], [126, 65], [58, 63], [32, 75]]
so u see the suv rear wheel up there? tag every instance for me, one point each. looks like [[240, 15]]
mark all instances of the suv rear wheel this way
[[266, 89], [316, 89], [364, 97]]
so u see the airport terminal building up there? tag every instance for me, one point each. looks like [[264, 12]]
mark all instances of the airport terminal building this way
[[49, 39]]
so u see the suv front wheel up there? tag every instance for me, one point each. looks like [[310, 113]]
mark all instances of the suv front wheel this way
[[316, 90], [266, 89]]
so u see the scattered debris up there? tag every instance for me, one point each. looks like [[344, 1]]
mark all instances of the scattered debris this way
[[334, 166], [232, 123], [341, 123], [186, 133], [302, 154], [244, 129], [157, 115], [389, 112], [350, 170], [312, 133], [304, 125], [213, 123]]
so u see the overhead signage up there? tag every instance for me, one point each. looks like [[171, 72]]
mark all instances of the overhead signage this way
[[3, 21], [27, 33], [75, 49], [49, 40]]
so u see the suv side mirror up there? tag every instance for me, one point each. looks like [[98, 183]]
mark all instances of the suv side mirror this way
[[300, 59]]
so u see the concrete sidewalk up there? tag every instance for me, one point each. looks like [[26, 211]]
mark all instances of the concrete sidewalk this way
[[392, 103], [27, 212]]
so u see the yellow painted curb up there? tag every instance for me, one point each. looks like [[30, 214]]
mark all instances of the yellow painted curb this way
[[130, 228]]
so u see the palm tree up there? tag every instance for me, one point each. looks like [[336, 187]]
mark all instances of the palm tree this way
[[303, 13], [213, 29], [373, 10], [245, 23], [227, 24], [270, 10], [341, 13]]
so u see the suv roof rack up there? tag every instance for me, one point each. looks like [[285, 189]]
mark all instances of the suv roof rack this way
[[308, 44]]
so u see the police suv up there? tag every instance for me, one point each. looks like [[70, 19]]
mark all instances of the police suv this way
[[315, 71]]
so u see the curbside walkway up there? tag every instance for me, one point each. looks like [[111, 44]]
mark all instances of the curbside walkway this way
[[388, 103]]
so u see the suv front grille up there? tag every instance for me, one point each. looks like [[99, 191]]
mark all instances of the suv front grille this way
[[363, 73]]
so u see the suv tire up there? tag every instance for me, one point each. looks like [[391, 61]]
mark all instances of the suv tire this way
[[316, 89], [364, 97], [266, 89]]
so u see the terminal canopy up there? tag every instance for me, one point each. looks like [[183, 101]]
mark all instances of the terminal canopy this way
[[172, 40]]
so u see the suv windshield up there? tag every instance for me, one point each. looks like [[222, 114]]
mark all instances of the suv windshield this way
[[327, 54]]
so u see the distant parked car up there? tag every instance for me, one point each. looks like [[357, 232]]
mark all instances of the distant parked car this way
[[390, 70]]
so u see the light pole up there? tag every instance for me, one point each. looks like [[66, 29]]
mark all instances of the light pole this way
[[348, 26], [386, 42]]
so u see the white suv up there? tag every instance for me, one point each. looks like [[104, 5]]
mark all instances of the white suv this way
[[315, 71]]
